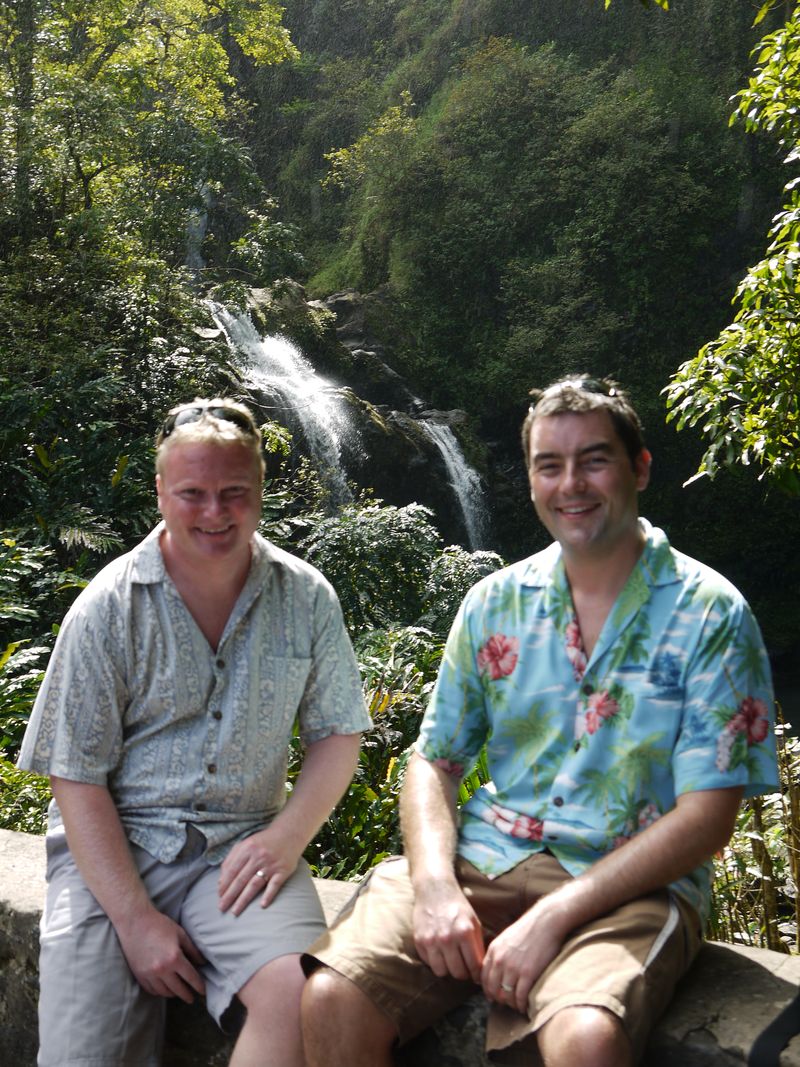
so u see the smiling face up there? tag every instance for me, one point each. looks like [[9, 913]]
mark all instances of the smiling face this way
[[584, 486], [209, 496]]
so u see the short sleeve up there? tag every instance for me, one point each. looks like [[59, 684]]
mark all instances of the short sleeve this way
[[456, 724], [75, 730], [728, 734], [333, 699]]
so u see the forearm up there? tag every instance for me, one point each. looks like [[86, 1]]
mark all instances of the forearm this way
[[429, 821], [100, 849], [677, 843], [327, 770]]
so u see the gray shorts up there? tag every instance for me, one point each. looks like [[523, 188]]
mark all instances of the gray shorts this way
[[92, 1010]]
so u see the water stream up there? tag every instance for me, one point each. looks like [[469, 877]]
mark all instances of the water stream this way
[[464, 481], [275, 366]]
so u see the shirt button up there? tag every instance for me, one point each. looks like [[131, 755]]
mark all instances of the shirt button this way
[[577, 746], [212, 768], [558, 801], [216, 715], [588, 689], [220, 663], [200, 807]]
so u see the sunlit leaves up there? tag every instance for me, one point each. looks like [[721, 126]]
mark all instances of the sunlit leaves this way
[[743, 389]]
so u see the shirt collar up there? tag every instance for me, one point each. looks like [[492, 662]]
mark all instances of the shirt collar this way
[[656, 562], [147, 563]]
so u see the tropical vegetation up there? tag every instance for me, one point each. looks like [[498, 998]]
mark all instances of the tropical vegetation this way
[[531, 188]]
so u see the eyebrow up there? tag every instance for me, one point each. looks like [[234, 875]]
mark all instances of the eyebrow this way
[[600, 448]]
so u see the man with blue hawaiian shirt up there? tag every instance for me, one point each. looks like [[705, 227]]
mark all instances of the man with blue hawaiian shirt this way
[[623, 693]]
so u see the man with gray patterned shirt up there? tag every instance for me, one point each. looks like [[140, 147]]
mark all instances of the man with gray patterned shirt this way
[[174, 857]]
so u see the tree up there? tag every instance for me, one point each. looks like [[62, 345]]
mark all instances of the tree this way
[[744, 387]]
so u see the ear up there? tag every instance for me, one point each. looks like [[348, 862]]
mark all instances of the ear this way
[[641, 467], [158, 490]]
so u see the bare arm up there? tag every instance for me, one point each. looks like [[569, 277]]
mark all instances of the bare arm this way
[[699, 825], [327, 771], [447, 932], [159, 952]]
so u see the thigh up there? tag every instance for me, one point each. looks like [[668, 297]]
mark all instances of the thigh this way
[[236, 947], [372, 944], [91, 1008]]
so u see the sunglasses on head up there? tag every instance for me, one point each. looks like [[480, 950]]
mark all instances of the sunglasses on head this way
[[193, 412], [587, 385]]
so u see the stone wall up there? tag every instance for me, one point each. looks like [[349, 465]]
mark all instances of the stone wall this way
[[727, 1001]]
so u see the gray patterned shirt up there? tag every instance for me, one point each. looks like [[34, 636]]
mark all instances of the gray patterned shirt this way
[[136, 699]]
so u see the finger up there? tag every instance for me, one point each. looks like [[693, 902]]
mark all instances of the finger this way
[[272, 887], [241, 891], [190, 950]]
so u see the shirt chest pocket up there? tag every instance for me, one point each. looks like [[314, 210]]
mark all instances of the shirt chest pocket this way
[[281, 684]]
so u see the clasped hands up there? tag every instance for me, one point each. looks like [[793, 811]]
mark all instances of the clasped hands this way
[[449, 938]]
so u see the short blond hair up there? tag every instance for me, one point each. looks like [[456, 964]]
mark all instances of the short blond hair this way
[[219, 421]]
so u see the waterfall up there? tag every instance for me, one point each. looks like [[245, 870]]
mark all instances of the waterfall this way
[[274, 365], [464, 481]]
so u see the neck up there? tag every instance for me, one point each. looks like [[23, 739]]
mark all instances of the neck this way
[[603, 574]]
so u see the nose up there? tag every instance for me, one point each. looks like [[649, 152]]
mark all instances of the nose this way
[[573, 479], [215, 503]]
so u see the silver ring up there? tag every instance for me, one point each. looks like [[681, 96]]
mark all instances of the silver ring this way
[[262, 874], [506, 988]]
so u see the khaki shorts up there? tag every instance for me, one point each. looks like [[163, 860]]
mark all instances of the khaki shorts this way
[[627, 962], [92, 1011]]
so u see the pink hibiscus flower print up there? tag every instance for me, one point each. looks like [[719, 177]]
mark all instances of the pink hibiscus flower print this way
[[752, 718], [456, 770], [601, 706], [575, 652], [512, 823], [499, 656]]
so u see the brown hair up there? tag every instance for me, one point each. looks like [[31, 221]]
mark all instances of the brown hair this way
[[579, 394]]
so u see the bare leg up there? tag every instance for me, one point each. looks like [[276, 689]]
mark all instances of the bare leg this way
[[584, 1037], [341, 1025], [270, 1036]]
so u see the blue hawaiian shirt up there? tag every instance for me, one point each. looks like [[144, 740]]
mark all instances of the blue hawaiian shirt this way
[[583, 753]]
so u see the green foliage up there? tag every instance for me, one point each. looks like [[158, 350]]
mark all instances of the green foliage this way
[[755, 899], [377, 558], [399, 668], [453, 573], [743, 388], [24, 799]]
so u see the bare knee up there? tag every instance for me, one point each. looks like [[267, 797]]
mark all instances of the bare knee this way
[[341, 1023], [584, 1037], [276, 985]]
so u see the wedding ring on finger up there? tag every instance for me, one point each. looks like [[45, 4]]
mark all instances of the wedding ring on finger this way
[[506, 988], [262, 874]]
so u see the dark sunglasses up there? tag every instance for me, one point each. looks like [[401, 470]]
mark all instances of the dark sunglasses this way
[[196, 411]]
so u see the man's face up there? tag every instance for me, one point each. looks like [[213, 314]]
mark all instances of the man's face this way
[[583, 485], [210, 498]]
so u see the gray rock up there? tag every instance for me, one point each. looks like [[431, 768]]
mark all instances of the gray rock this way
[[723, 1005]]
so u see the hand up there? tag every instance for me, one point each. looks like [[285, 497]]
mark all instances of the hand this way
[[447, 932], [161, 955], [260, 863], [517, 957]]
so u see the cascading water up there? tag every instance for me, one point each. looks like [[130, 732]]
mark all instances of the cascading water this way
[[464, 481], [274, 366]]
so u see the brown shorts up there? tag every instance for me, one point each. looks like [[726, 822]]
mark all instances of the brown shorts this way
[[628, 961]]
